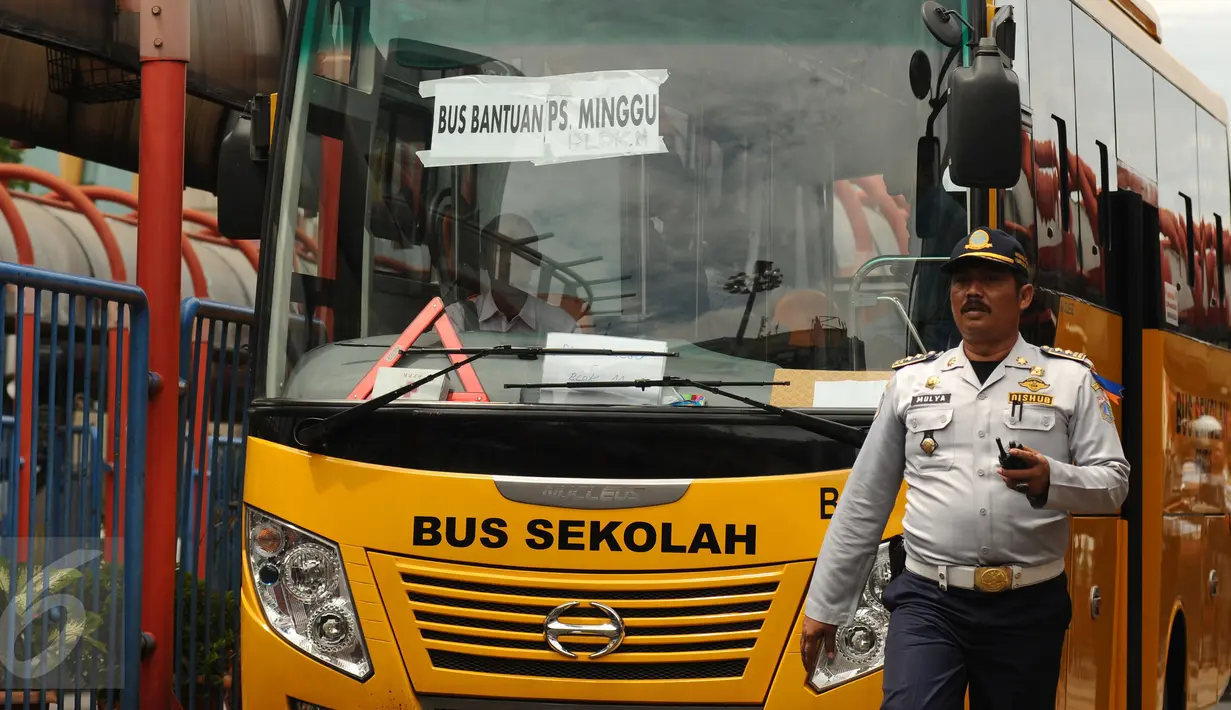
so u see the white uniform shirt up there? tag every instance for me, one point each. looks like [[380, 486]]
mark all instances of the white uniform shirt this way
[[536, 315], [959, 512]]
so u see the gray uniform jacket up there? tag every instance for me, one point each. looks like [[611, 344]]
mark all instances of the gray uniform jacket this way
[[937, 427]]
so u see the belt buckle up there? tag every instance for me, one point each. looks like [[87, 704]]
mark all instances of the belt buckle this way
[[993, 579]]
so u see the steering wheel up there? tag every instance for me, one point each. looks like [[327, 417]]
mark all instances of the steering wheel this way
[[441, 219]]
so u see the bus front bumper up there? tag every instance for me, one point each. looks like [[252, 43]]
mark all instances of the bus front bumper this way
[[275, 674]]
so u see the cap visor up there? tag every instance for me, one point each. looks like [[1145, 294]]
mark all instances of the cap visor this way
[[996, 259]]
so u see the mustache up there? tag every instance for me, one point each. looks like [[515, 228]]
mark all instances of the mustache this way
[[975, 304]]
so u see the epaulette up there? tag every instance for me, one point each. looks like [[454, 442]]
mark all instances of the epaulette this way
[[930, 355], [1068, 355]]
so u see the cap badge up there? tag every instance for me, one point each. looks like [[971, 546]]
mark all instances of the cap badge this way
[[979, 240]]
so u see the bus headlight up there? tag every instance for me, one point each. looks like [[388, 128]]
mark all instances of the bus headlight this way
[[860, 646], [301, 583]]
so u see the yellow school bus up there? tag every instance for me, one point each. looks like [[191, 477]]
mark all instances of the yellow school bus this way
[[572, 317]]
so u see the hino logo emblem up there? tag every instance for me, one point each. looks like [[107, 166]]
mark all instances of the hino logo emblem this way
[[612, 630]]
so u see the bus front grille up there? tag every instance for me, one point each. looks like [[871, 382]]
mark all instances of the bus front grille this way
[[687, 619], [673, 627]]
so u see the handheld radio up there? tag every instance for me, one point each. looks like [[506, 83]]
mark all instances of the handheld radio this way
[[1008, 461]]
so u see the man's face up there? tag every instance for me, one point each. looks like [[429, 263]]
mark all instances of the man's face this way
[[986, 302]]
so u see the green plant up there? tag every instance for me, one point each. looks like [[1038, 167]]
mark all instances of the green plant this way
[[205, 623], [10, 154], [62, 640]]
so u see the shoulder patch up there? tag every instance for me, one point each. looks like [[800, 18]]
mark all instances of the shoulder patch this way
[[930, 355], [1067, 355]]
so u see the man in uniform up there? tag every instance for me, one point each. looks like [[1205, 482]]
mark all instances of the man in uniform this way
[[501, 306], [983, 600]]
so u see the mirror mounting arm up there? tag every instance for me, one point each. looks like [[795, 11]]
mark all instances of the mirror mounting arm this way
[[947, 14], [944, 68], [936, 104], [938, 19]]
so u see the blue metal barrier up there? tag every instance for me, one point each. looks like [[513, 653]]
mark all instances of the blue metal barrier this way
[[72, 482], [8, 433], [215, 387], [76, 476]]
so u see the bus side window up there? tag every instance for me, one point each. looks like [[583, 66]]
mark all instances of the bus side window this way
[[1096, 136], [1061, 234], [1135, 163], [1182, 258], [1018, 210], [1215, 211], [1017, 205]]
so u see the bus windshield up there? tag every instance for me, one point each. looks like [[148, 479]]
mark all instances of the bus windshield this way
[[752, 186]]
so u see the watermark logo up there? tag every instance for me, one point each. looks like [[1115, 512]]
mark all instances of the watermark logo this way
[[67, 629], [62, 623]]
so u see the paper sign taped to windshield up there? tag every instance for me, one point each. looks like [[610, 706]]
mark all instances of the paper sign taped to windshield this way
[[848, 394], [602, 368], [544, 120], [391, 378]]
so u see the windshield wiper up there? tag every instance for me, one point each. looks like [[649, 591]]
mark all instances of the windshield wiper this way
[[316, 433], [810, 422]]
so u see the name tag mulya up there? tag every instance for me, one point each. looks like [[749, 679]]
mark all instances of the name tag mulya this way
[[919, 399]]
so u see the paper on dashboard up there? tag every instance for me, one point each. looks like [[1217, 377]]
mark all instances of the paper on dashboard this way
[[602, 368]]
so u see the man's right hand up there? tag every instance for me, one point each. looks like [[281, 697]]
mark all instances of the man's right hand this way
[[816, 634]]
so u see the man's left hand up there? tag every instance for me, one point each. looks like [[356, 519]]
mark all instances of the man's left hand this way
[[1038, 476]]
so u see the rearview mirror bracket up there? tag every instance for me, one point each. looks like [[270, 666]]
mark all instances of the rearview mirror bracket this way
[[1004, 29], [260, 114], [243, 161]]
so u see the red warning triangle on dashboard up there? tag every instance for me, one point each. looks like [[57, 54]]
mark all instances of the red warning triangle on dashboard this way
[[433, 316]]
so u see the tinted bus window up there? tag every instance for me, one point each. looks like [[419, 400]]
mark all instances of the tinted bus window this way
[[1179, 203], [1017, 204], [1058, 232], [1215, 211], [1134, 121], [1096, 144]]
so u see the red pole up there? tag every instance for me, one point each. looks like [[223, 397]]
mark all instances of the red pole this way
[[30, 324], [164, 61]]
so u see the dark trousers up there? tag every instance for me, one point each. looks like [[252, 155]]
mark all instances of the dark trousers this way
[[1006, 646]]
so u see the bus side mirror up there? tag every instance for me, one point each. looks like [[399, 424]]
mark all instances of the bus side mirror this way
[[985, 124], [242, 170]]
